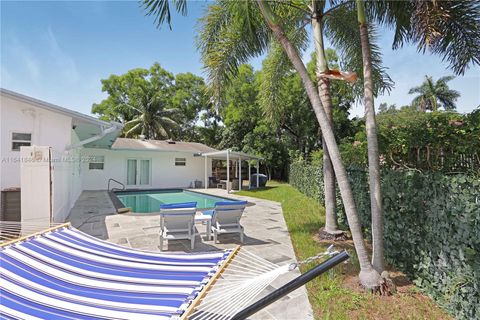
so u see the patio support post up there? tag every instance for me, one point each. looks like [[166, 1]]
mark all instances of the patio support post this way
[[228, 171], [240, 174], [249, 176], [258, 165], [206, 172]]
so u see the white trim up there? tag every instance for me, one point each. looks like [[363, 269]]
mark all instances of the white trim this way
[[232, 154], [99, 136]]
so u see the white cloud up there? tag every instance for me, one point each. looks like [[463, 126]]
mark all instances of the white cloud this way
[[66, 64]]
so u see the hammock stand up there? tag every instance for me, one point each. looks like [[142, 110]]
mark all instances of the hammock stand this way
[[63, 273]]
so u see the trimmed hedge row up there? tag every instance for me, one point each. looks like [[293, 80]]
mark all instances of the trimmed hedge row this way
[[308, 179], [432, 232]]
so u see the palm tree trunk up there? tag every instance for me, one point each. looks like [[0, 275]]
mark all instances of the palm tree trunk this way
[[331, 225], [368, 276], [372, 140]]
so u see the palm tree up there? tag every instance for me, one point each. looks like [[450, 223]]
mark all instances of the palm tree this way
[[372, 142], [331, 225], [448, 28], [239, 31], [434, 94], [151, 118], [369, 277], [407, 17]]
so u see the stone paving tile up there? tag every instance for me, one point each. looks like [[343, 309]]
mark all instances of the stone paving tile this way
[[265, 235]]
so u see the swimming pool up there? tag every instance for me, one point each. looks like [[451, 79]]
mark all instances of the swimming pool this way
[[150, 201]]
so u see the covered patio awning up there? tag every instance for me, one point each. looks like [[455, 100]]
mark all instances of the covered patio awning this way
[[232, 155]]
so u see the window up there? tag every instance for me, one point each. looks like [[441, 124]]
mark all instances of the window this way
[[138, 172], [97, 163], [20, 140], [181, 162]]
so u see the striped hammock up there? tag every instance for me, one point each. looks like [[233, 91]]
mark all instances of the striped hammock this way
[[63, 273]]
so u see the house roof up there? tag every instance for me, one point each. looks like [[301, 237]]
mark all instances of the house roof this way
[[55, 108], [160, 145]]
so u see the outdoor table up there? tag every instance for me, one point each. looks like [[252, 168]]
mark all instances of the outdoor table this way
[[200, 217]]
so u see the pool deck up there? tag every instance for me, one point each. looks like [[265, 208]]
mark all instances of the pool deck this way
[[266, 235]]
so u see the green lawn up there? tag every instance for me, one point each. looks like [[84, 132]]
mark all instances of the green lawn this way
[[336, 295]]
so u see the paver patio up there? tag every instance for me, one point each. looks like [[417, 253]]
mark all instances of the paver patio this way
[[266, 235]]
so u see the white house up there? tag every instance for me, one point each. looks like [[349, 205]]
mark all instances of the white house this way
[[50, 152], [146, 164], [52, 136]]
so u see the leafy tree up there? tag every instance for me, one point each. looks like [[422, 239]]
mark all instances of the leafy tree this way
[[268, 144], [189, 98], [140, 99], [385, 108], [292, 115], [211, 132], [240, 111], [155, 103], [434, 94]]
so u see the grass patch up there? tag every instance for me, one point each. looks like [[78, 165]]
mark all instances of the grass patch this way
[[336, 295]]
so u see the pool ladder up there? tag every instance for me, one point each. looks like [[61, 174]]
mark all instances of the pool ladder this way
[[115, 189]]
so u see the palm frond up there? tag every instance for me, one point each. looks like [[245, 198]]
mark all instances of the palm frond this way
[[393, 14], [160, 10], [450, 29], [341, 28], [133, 129], [233, 32], [230, 34]]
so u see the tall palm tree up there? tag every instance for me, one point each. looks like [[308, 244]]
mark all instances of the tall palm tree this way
[[151, 118], [239, 31], [372, 141], [434, 94], [447, 28], [331, 225], [369, 277]]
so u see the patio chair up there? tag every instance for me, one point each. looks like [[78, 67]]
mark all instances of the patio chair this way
[[226, 218], [177, 221]]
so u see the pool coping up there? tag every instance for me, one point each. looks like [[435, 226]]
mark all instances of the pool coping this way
[[118, 204]]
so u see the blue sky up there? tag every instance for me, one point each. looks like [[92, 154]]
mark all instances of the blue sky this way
[[59, 51]]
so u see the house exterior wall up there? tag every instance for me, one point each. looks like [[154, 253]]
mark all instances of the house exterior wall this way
[[50, 130], [47, 128], [66, 181], [163, 172]]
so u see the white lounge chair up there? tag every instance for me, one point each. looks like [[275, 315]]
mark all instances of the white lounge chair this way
[[226, 218], [177, 221]]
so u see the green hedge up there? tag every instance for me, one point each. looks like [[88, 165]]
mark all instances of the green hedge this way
[[308, 179], [432, 232]]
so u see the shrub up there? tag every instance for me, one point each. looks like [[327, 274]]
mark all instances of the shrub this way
[[432, 231]]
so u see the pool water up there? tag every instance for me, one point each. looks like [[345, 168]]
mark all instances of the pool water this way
[[150, 201]]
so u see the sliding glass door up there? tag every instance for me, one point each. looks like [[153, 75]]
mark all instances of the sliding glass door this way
[[138, 172]]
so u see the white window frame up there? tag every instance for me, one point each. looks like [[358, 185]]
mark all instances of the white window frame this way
[[97, 162], [178, 162], [18, 140], [137, 177]]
